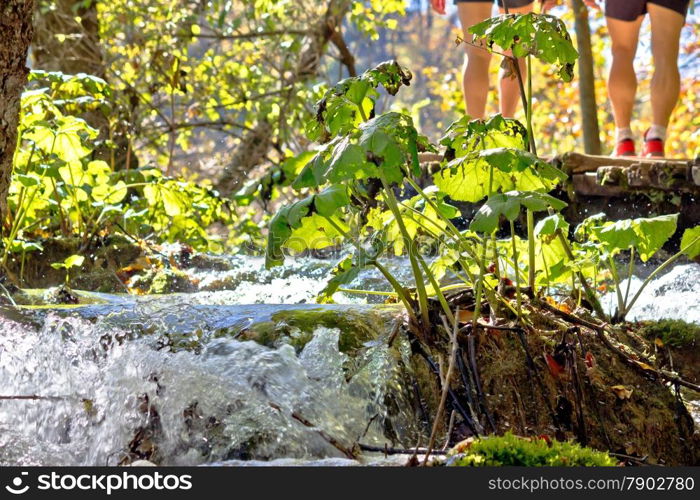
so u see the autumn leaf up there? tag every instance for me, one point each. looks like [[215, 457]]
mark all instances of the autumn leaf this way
[[554, 367], [621, 391]]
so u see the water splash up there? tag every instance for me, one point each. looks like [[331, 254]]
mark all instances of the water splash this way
[[675, 295], [234, 400]]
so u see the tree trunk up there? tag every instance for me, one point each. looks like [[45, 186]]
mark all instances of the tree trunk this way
[[586, 83], [67, 39], [15, 34], [257, 142]]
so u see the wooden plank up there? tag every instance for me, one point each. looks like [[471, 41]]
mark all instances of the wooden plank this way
[[586, 184], [578, 163]]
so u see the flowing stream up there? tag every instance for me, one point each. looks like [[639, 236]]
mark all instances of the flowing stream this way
[[176, 366]]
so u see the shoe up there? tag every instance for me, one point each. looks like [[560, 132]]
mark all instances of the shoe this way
[[625, 147], [653, 148]]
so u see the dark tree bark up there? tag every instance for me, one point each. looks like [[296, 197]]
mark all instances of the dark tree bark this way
[[15, 36], [586, 80]]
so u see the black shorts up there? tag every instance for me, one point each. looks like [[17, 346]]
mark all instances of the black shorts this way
[[510, 3], [630, 10]]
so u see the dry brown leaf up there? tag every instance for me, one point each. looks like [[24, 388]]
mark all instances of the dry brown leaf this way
[[621, 391]]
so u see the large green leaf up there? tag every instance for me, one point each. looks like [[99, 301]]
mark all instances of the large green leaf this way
[[540, 35], [690, 242], [305, 225], [387, 142], [465, 135], [509, 206], [646, 235], [468, 178], [352, 100]]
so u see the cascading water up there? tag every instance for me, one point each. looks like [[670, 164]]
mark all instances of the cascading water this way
[[230, 399], [107, 371]]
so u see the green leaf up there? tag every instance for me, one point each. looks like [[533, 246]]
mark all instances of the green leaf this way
[[330, 199], [647, 235], [549, 225], [74, 261], [467, 178], [71, 261], [539, 35], [385, 142], [467, 136], [305, 225], [690, 242], [509, 205]]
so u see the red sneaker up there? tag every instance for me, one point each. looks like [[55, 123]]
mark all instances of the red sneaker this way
[[625, 147], [653, 147]]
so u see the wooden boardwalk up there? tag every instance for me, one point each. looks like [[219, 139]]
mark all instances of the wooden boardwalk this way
[[612, 176]]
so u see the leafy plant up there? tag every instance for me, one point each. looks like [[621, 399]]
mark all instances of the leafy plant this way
[[542, 36], [60, 189], [68, 263], [642, 237]]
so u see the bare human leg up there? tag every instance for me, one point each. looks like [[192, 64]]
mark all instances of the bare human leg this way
[[622, 83], [666, 25], [509, 88], [475, 79]]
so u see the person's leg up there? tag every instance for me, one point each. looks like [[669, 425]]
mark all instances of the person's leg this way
[[666, 25], [509, 88], [475, 80], [622, 82]]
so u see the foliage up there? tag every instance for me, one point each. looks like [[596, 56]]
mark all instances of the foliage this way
[[59, 189], [540, 35], [187, 73], [561, 124], [511, 450]]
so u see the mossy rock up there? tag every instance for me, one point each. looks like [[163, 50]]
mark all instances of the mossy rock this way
[[605, 403], [164, 281], [296, 326], [677, 346], [511, 450]]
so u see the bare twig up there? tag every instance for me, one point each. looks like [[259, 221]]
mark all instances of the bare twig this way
[[326, 437], [445, 383], [398, 451], [600, 330]]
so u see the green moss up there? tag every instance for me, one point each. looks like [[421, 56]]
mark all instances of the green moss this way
[[296, 326], [163, 281], [511, 450], [672, 332]]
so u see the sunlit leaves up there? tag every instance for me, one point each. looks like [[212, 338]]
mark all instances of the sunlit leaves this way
[[352, 101], [646, 235], [310, 223], [540, 35], [472, 177], [510, 205], [388, 142], [466, 135], [690, 242], [65, 139]]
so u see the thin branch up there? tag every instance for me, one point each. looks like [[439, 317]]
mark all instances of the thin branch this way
[[247, 36]]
